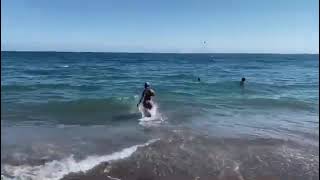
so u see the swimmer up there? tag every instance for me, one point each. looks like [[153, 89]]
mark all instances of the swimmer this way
[[242, 81]]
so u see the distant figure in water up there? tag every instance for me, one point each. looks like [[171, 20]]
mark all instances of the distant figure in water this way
[[242, 81], [146, 96], [199, 79]]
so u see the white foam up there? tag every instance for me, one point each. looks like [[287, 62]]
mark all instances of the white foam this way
[[153, 112], [55, 170], [155, 119]]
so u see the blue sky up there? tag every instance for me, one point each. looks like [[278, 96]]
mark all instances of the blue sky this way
[[227, 26]]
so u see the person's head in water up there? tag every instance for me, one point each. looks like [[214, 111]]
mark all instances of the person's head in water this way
[[242, 81], [199, 79], [146, 85]]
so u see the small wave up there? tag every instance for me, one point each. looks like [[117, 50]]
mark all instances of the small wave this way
[[62, 66], [278, 103], [180, 76], [36, 87], [41, 71], [85, 111], [89, 105], [55, 170]]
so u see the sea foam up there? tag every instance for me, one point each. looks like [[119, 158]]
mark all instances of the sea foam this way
[[55, 170]]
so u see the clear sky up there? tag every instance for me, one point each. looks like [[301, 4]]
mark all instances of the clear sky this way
[[245, 26]]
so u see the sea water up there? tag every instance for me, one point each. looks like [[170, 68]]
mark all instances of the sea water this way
[[64, 113]]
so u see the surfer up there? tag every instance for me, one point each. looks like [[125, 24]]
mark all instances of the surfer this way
[[146, 96], [242, 81]]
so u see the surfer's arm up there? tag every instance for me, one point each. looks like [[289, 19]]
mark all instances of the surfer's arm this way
[[141, 97], [152, 93]]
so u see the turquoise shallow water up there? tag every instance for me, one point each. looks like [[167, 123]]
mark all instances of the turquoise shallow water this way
[[46, 96]]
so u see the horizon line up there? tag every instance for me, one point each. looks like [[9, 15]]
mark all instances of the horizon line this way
[[53, 51]]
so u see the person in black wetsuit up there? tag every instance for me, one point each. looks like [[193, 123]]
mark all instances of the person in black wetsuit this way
[[146, 96]]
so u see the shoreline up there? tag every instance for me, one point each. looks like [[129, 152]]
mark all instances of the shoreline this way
[[182, 158]]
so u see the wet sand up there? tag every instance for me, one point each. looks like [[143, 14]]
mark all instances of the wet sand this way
[[200, 158]]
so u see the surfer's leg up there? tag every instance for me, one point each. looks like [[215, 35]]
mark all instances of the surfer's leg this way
[[147, 106], [146, 112]]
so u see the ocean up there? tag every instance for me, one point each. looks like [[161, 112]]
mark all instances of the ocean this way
[[73, 115]]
